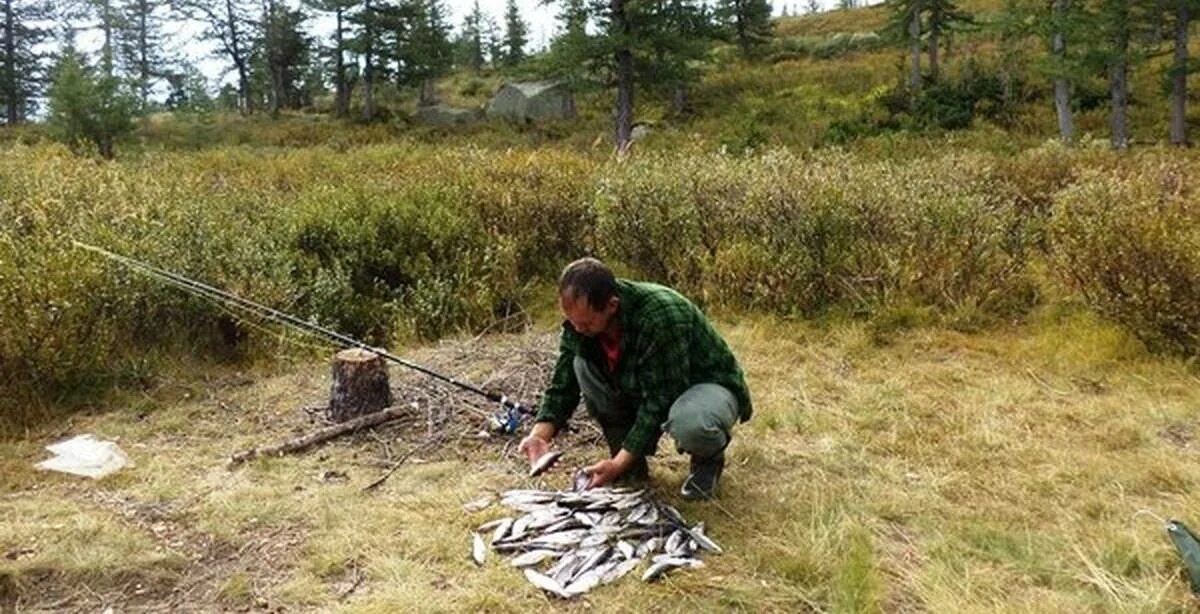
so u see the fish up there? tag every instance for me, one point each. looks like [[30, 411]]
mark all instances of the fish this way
[[533, 557], [580, 480], [586, 581], [619, 569], [569, 542], [477, 505], [626, 549], [673, 542], [502, 530], [478, 549], [592, 561], [647, 547], [544, 462], [545, 583], [703, 540], [593, 540], [657, 569]]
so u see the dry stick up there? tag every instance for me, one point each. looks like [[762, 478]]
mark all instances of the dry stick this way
[[322, 435], [383, 478]]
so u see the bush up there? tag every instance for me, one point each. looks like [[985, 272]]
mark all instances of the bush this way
[[1129, 241], [807, 235]]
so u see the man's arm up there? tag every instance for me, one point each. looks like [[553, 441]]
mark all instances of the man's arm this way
[[558, 402]]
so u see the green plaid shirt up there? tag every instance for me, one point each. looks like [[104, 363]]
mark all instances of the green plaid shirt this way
[[667, 346]]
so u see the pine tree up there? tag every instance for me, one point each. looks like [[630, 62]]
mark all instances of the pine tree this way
[[22, 63], [516, 34], [87, 105], [140, 43], [748, 23]]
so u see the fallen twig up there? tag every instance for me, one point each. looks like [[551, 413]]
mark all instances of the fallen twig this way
[[302, 443], [387, 474]]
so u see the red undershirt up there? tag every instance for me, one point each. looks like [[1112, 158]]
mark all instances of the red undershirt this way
[[612, 351]]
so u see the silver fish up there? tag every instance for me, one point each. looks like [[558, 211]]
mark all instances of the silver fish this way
[[562, 538], [619, 570], [703, 540], [478, 549], [545, 583], [533, 557], [477, 505], [580, 480], [650, 517], [544, 462], [587, 580], [626, 549], [649, 546], [501, 530], [589, 563], [593, 540], [656, 570], [673, 541]]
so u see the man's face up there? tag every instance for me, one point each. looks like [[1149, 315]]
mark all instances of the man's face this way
[[587, 321]]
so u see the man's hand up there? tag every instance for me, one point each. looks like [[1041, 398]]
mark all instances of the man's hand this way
[[607, 471], [537, 442]]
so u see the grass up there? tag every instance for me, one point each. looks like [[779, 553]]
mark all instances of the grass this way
[[1015, 470]]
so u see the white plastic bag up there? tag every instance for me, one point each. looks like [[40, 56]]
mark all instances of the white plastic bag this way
[[85, 455]]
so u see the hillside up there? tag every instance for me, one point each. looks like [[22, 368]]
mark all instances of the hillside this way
[[971, 348]]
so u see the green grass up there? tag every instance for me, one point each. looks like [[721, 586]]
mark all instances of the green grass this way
[[1013, 470]]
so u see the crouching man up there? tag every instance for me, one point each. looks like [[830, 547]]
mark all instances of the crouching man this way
[[646, 360]]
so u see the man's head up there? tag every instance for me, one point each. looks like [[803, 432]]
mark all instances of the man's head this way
[[587, 291]]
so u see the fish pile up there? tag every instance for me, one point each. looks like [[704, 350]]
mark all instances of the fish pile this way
[[569, 542]]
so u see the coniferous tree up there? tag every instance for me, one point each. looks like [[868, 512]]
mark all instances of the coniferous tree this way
[[22, 62], [88, 105], [516, 34], [748, 23]]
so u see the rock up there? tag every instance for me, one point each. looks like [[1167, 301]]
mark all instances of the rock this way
[[532, 102]]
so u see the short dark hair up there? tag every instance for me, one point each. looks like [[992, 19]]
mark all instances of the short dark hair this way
[[591, 278]]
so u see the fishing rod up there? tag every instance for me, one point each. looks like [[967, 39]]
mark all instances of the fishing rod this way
[[507, 420]]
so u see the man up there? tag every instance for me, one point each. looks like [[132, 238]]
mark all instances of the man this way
[[646, 360]]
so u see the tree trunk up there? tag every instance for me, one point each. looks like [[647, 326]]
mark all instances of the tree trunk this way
[[739, 21], [369, 69], [624, 59], [341, 104], [428, 93], [935, 31], [1062, 85], [679, 99], [106, 24], [360, 385], [1118, 76], [11, 95], [1179, 70], [914, 35], [143, 55], [239, 62]]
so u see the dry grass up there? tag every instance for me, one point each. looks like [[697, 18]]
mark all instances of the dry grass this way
[[926, 471]]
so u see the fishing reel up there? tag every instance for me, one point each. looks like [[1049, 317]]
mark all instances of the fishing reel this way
[[507, 420]]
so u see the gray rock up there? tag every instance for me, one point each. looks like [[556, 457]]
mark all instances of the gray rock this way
[[532, 101]]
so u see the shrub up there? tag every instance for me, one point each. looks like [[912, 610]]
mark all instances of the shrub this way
[[1129, 241]]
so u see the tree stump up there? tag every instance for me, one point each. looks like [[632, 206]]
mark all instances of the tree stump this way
[[360, 385]]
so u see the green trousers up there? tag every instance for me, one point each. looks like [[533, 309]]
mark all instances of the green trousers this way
[[700, 421]]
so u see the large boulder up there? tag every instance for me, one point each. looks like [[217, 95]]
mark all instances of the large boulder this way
[[446, 115], [532, 101]]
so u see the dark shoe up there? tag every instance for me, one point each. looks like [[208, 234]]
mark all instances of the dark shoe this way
[[702, 482]]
